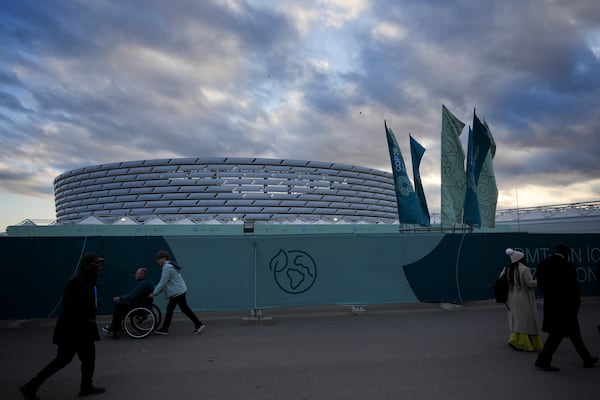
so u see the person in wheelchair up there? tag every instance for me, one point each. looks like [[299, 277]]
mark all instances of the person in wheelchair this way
[[136, 298]]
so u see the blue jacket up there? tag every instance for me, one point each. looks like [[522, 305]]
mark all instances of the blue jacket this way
[[171, 281], [139, 294]]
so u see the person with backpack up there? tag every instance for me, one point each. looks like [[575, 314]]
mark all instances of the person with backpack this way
[[523, 319], [172, 283]]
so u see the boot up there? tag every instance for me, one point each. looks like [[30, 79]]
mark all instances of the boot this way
[[590, 363]]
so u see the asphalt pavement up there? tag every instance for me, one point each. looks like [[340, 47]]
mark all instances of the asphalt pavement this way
[[392, 352]]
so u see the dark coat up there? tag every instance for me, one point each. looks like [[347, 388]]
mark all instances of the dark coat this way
[[77, 320], [557, 279], [139, 295]]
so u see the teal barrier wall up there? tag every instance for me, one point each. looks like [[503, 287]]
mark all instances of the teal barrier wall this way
[[464, 267], [242, 272]]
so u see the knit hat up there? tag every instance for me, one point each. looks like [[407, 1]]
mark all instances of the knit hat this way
[[514, 255]]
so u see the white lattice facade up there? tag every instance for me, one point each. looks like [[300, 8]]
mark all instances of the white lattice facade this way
[[224, 189]]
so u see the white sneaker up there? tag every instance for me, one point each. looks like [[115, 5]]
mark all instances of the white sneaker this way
[[199, 330]]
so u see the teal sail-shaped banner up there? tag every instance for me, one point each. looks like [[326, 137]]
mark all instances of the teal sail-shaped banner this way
[[416, 152], [487, 190], [478, 148], [409, 207], [453, 169]]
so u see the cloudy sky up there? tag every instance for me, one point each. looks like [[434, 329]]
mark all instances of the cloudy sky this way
[[86, 82]]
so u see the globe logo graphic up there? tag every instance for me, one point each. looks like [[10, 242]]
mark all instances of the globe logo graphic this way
[[294, 271]]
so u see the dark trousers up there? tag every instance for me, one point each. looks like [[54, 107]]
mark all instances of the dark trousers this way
[[118, 313], [553, 341], [185, 309], [86, 351]]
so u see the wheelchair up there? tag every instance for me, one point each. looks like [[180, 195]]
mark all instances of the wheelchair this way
[[141, 321]]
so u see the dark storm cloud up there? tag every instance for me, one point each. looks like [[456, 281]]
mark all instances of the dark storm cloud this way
[[23, 182], [9, 101], [9, 79], [323, 96], [124, 109], [10, 175]]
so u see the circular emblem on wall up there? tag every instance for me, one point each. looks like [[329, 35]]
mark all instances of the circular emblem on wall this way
[[294, 271]]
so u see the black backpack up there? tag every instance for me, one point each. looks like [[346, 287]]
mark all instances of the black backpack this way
[[501, 288]]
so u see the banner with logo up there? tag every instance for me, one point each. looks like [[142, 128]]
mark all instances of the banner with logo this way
[[479, 146], [409, 207], [454, 180]]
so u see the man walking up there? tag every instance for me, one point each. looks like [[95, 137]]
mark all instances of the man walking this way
[[557, 279], [76, 329]]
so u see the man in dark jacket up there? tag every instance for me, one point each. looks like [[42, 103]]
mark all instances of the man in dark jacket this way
[[137, 297], [76, 330], [557, 279]]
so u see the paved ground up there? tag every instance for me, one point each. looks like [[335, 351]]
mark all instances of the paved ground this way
[[423, 352]]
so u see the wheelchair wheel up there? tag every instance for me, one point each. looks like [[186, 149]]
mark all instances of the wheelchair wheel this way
[[139, 322], [157, 314]]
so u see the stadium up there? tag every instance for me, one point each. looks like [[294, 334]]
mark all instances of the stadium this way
[[225, 189]]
